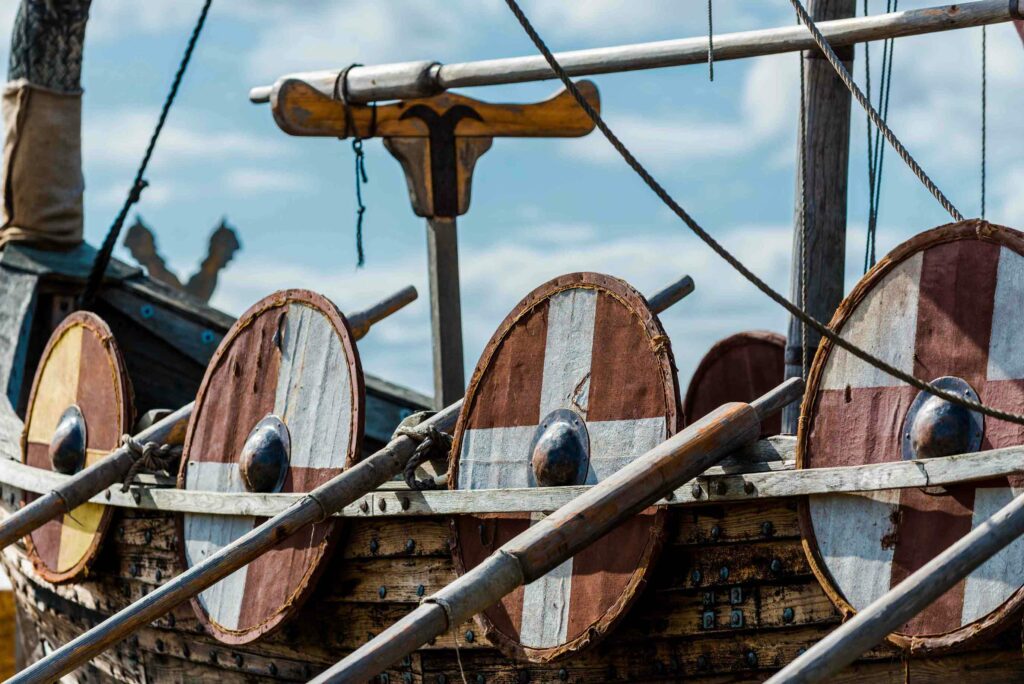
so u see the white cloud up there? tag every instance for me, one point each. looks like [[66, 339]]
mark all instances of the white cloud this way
[[249, 181], [119, 138]]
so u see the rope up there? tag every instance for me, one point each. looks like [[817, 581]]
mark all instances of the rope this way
[[727, 256], [341, 93], [432, 444], [984, 112], [876, 150], [711, 45], [150, 457], [803, 217], [873, 115], [99, 266]]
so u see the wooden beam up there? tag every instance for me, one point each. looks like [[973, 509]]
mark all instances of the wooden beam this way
[[425, 78], [445, 310], [825, 158]]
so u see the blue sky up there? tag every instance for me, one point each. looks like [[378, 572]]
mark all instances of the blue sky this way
[[725, 149]]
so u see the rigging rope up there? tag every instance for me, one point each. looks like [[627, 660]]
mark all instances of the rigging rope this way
[[876, 150], [99, 266], [803, 216], [341, 94], [711, 45], [984, 113], [727, 256]]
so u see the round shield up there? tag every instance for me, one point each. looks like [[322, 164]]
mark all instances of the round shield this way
[[578, 381], [279, 410], [945, 307], [80, 405], [741, 367]]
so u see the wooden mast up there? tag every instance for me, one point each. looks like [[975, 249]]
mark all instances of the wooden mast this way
[[827, 158]]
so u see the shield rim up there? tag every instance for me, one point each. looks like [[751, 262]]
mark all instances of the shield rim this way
[[720, 349], [126, 398], [354, 455], [629, 296], [950, 232]]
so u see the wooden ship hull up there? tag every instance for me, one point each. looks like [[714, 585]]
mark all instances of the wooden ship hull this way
[[730, 587]]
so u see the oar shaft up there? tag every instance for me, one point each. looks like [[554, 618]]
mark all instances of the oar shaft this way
[[672, 294], [92, 480], [426, 78], [361, 321], [908, 598], [325, 500], [561, 535]]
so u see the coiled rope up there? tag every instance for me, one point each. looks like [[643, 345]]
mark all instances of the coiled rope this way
[[727, 256]]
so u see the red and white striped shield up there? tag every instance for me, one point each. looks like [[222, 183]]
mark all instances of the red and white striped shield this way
[[588, 343], [947, 302], [80, 366], [290, 355], [740, 367]]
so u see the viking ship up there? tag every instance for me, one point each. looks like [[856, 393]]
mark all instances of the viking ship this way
[[187, 496]]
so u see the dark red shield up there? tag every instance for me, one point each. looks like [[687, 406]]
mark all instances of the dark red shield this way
[[587, 344], [741, 367], [946, 303], [81, 366], [291, 356]]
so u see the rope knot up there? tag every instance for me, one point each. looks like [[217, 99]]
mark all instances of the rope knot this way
[[150, 457], [432, 445]]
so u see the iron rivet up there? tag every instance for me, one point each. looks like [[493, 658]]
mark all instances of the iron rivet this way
[[207, 337], [470, 636], [736, 596], [134, 569], [160, 645], [441, 679], [702, 662], [480, 679], [787, 615], [670, 496], [407, 661], [374, 545], [695, 490], [107, 494], [238, 659], [695, 576], [404, 502], [563, 674], [723, 573], [364, 506], [775, 565], [736, 619], [800, 651], [213, 656], [420, 590], [410, 545], [716, 532], [748, 487], [272, 669], [186, 651], [708, 598], [385, 678], [382, 504], [751, 659], [146, 311], [406, 678], [721, 487], [767, 528], [159, 575], [136, 495], [148, 536], [707, 619], [382, 592]]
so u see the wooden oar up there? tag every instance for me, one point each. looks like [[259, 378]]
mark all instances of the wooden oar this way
[[90, 481], [322, 502], [567, 531]]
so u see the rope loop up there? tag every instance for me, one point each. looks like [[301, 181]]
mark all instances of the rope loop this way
[[432, 444], [150, 457]]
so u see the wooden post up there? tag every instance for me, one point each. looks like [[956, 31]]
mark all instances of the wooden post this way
[[445, 309], [826, 158]]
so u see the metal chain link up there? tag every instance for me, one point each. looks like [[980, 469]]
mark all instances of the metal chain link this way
[[727, 256]]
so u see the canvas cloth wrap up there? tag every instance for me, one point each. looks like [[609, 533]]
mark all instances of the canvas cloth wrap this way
[[42, 166]]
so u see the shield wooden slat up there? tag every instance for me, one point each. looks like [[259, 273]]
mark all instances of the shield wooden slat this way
[[947, 302], [740, 367], [588, 343], [291, 355], [80, 365]]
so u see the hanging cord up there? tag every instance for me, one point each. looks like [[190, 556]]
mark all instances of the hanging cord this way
[[876, 119], [341, 93], [803, 217], [984, 112], [432, 445], [711, 45], [727, 256], [99, 266], [876, 150]]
